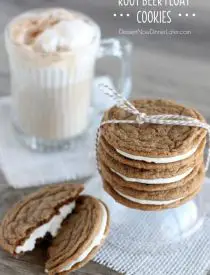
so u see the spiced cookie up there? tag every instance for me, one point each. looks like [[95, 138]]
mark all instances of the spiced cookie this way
[[109, 151], [80, 237], [35, 215], [153, 142], [162, 195], [156, 201], [149, 185], [145, 174]]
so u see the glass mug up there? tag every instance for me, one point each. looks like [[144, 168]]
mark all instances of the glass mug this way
[[51, 90]]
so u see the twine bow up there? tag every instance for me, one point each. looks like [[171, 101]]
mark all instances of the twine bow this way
[[142, 118]]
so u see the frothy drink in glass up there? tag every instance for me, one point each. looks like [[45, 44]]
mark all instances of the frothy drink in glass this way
[[52, 54]]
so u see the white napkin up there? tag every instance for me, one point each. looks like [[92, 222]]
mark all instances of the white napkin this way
[[125, 249], [25, 168]]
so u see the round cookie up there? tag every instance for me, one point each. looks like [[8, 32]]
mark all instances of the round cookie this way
[[152, 140], [196, 182], [35, 215], [116, 180], [144, 173], [80, 237], [110, 151], [146, 207], [163, 195]]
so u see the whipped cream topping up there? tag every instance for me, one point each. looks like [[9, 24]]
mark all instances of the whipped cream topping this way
[[53, 30], [149, 202], [158, 160], [65, 36], [98, 239], [155, 181], [52, 227]]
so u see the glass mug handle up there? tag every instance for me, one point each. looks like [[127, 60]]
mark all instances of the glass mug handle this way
[[122, 49]]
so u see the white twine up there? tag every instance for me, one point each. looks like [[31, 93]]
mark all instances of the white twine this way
[[142, 118]]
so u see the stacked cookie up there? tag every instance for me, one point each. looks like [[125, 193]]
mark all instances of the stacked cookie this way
[[77, 223], [151, 166]]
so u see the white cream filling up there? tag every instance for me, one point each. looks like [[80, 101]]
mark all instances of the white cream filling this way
[[96, 242], [52, 227], [155, 181], [150, 202], [159, 160]]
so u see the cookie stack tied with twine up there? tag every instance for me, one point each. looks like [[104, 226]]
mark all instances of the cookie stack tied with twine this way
[[150, 153]]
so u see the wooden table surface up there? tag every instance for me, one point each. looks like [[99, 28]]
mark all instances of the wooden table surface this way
[[174, 67]]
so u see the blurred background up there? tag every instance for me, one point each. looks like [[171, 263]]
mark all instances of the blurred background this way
[[174, 67]]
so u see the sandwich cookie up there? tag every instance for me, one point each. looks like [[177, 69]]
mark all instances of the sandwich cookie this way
[[147, 176], [80, 237], [188, 162], [149, 185], [153, 143], [36, 215], [156, 200]]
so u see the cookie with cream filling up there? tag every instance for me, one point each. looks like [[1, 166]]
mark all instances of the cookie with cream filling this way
[[36, 215], [80, 237], [153, 142], [109, 151], [146, 173], [159, 184], [142, 200]]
